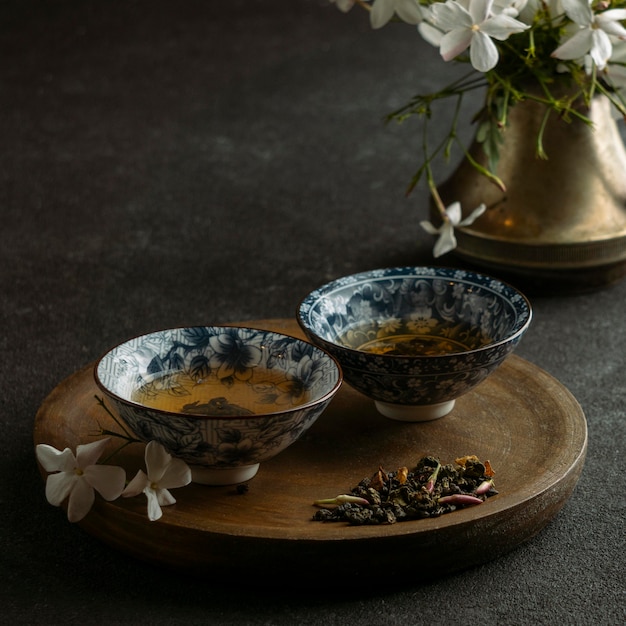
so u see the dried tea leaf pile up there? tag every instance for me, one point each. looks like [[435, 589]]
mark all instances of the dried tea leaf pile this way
[[428, 490]]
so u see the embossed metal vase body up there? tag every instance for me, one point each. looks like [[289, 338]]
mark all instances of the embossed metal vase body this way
[[561, 218]]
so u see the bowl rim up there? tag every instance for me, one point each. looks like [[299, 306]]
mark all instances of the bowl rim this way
[[429, 271], [255, 416]]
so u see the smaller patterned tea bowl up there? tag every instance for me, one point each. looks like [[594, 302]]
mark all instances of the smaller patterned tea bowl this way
[[221, 398], [414, 339]]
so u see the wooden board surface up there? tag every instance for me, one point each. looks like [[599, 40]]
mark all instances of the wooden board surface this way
[[526, 423]]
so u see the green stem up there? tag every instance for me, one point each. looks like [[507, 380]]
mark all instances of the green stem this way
[[420, 104], [434, 192], [542, 128], [553, 104], [452, 134], [483, 170], [615, 97]]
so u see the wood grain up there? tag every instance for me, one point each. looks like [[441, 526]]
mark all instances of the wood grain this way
[[524, 421]]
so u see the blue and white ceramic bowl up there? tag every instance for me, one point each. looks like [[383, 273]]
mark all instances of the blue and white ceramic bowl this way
[[414, 339], [223, 399]]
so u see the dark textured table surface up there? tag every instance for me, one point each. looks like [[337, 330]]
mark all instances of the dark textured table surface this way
[[165, 164]]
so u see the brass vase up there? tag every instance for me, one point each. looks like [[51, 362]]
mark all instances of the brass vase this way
[[562, 221]]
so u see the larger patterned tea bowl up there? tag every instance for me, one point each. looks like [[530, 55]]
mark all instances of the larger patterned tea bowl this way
[[414, 339], [224, 399]]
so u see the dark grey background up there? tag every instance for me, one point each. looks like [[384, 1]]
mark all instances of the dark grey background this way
[[169, 163]]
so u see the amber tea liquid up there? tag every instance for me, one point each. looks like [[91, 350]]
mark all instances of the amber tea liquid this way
[[180, 393], [413, 345]]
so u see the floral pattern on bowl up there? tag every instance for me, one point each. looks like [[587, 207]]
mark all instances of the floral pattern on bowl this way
[[463, 325], [267, 389]]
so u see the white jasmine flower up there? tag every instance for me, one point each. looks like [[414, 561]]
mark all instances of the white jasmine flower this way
[[447, 240], [164, 473], [472, 25], [77, 476], [383, 10], [592, 36]]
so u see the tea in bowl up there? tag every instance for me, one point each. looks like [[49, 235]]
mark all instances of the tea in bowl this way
[[222, 398], [414, 339]]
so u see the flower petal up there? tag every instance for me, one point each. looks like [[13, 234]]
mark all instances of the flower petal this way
[[89, 453], [81, 500], [107, 480], [154, 510], [164, 497], [59, 486], [53, 460], [450, 16], [157, 460], [136, 485], [575, 47], [455, 42], [479, 10], [483, 52], [409, 11], [601, 48], [430, 34], [429, 228], [509, 7], [177, 474], [344, 5], [382, 11], [446, 241], [474, 215], [454, 213], [578, 11], [612, 15], [613, 28], [502, 26]]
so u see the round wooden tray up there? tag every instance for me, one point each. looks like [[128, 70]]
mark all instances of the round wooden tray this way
[[526, 423]]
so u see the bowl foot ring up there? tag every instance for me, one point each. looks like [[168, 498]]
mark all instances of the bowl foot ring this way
[[414, 413], [226, 476]]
